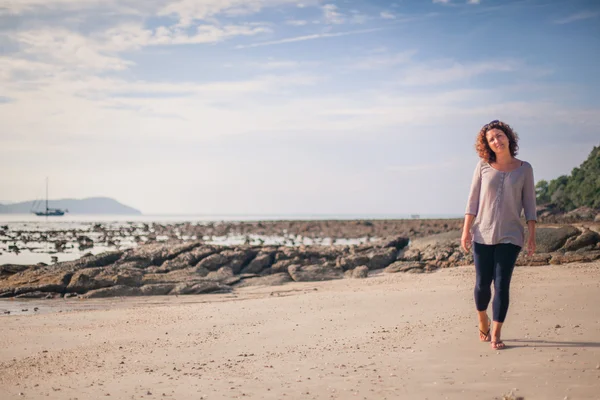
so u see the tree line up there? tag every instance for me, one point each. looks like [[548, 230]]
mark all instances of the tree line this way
[[581, 188]]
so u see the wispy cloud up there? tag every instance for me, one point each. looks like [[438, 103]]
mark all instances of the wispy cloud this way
[[296, 22], [441, 1], [577, 17], [309, 37], [474, 1], [421, 75], [387, 15], [332, 15]]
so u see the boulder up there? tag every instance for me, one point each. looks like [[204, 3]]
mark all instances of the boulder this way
[[310, 273], [221, 274], [269, 280], [213, 262], [186, 259], [260, 262], [53, 278], [360, 272], [178, 276], [570, 256], [157, 253], [88, 279], [352, 261], [381, 258], [398, 243], [586, 239], [549, 239], [238, 258], [10, 269], [537, 259], [113, 291], [200, 287], [404, 266]]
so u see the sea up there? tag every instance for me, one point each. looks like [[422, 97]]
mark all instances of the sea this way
[[27, 239]]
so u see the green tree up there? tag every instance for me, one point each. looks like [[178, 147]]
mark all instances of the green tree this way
[[581, 188]]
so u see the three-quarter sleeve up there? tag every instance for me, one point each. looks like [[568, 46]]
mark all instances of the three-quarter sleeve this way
[[529, 205], [473, 201]]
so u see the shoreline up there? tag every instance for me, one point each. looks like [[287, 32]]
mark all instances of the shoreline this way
[[387, 336]]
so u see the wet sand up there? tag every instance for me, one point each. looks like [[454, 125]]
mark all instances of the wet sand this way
[[393, 336]]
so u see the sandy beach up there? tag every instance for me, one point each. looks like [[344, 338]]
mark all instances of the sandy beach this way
[[391, 336]]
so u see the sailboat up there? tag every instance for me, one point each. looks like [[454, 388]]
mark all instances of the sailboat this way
[[50, 212]]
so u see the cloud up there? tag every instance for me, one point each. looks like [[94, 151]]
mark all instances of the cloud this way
[[66, 48], [296, 22], [577, 17], [376, 62], [133, 36], [421, 75], [189, 11], [474, 1], [331, 14], [442, 1], [309, 37], [387, 15]]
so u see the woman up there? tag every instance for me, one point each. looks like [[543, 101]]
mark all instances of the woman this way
[[502, 187]]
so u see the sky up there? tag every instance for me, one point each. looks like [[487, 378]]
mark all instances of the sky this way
[[286, 106]]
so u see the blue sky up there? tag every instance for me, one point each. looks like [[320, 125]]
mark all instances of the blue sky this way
[[279, 106]]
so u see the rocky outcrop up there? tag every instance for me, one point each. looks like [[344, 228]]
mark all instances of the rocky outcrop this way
[[193, 268], [175, 268]]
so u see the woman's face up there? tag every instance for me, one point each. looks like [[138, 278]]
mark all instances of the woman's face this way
[[497, 140]]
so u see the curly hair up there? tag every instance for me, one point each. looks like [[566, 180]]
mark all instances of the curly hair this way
[[482, 146]]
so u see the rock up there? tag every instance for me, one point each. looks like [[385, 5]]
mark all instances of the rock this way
[[159, 289], [409, 254], [447, 240], [53, 278], [269, 280], [221, 274], [186, 259], [213, 262], [535, 260], [282, 265], [113, 291], [200, 287], [551, 239], [178, 276], [38, 295], [381, 258], [586, 239], [260, 262], [404, 266], [569, 257], [397, 243], [310, 273], [238, 258], [96, 278], [361, 271], [352, 261], [157, 253], [10, 269]]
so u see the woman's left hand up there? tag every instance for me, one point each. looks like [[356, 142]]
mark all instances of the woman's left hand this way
[[530, 246]]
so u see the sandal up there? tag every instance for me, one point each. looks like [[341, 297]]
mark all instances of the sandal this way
[[486, 335], [497, 344]]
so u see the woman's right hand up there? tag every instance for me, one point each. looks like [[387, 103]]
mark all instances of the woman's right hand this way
[[466, 240]]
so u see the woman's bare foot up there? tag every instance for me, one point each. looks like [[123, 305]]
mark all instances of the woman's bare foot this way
[[484, 326], [496, 342]]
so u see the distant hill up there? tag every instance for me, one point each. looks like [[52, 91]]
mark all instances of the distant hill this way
[[580, 189], [92, 205]]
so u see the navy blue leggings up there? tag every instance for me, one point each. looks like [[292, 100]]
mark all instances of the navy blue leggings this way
[[494, 263]]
